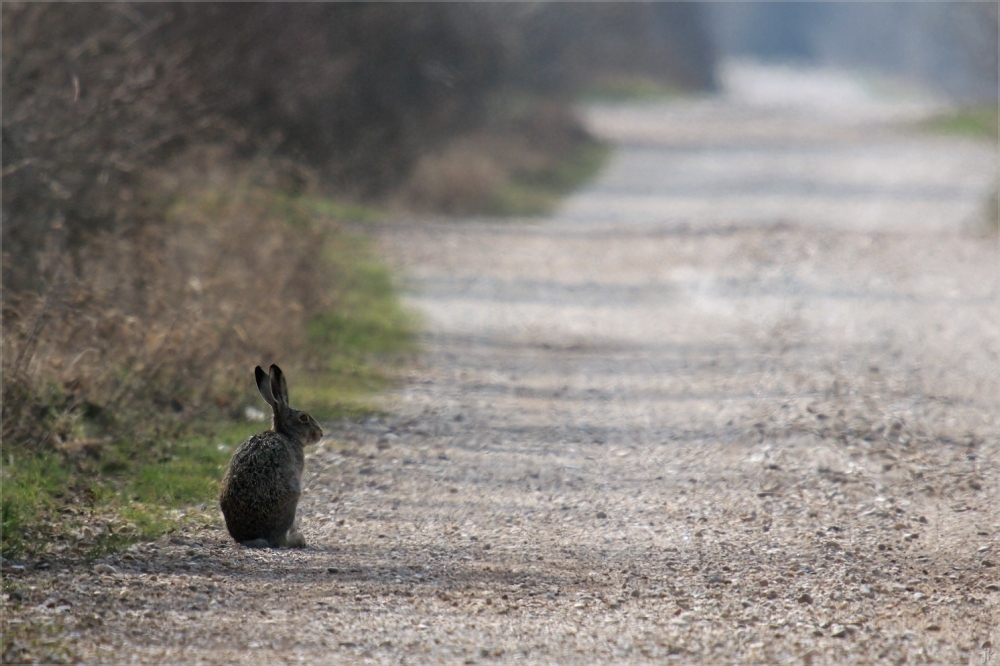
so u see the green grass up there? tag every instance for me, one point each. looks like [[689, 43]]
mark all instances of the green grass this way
[[631, 89], [976, 122], [537, 192], [360, 340], [32, 487], [138, 489], [47, 498], [339, 210], [190, 472], [35, 641], [368, 321]]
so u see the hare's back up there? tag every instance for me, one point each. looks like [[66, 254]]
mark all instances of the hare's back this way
[[267, 451], [265, 472]]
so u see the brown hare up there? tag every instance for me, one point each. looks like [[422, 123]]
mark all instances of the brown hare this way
[[262, 486]]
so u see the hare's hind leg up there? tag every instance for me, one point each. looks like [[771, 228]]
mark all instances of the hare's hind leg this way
[[255, 543], [290, 538], [295, 540]]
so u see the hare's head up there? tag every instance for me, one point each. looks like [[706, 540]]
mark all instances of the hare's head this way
[[293, 423]]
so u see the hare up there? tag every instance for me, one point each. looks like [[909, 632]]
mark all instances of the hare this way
[[262, 486]]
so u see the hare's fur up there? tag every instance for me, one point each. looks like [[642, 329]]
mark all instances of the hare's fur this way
[[262, 486]]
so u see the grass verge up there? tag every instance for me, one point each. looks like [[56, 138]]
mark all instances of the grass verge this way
[[102, 477], [533, 153], [630, 89], [532, 192], [60, 507], [975, 121]]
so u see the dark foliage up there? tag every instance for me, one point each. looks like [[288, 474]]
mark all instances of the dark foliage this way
[[565, 46], [96, 94]]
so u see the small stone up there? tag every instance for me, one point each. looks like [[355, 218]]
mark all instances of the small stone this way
[[253, 414], [932, 627], [104, 569], [332, 570], [805, 598], [42, 566], [838, 631], [602, 515]]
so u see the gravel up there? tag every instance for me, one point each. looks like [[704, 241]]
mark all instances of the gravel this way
[[735, 402]]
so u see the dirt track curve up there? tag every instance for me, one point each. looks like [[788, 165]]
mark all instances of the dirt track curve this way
[[737, 401]]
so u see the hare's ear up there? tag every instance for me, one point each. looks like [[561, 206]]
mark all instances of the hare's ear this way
[[264, 385], [279, 389]]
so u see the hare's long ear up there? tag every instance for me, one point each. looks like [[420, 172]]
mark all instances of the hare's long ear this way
[[279, 389], [264, 386]]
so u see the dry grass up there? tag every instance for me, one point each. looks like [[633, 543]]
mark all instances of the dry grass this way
[[162, 320], [127, 378], [460, 180], [533, 154]]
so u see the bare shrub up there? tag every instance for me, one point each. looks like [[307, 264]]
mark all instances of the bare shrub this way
[[525, 141], [112, 307], [92, 94], [160, 323], [458, 181]]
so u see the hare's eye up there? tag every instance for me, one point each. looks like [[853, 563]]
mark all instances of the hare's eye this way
[[303, 418]]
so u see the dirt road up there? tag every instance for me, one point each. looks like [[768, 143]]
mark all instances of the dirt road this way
[[737, 401]]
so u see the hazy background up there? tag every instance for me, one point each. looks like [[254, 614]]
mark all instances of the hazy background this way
[[129, 128], [950, 47], [191, 189]]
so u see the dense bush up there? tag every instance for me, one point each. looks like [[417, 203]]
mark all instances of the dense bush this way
[[162, 321], [95, 94], [566, 46], [115, 115]]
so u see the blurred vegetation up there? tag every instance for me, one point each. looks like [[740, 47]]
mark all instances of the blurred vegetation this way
[[177, 181], [354, 97], [536, 191], [980, 121], [134, 422], [631, 89]]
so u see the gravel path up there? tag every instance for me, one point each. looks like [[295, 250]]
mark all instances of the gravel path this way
[[735, 402]]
